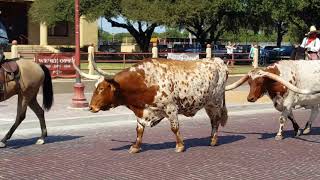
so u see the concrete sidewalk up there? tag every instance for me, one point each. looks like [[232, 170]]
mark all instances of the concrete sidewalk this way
[[63, 117]]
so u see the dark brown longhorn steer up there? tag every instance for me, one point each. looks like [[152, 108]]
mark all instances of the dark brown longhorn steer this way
[[159, 88], [285, 83]]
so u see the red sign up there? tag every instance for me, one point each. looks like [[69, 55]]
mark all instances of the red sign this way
[[60, 65]]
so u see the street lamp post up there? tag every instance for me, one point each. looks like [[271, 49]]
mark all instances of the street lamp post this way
[[78, 100]]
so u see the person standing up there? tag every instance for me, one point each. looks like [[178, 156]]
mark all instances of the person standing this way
[[311, 43], [254, 55], [230, 47]]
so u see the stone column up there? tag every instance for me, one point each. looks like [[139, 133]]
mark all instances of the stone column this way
[[14, 49], [208, 51], [43, 34], [90, 58], [154, 50]]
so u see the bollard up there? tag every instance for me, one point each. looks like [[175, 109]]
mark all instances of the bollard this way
[[90, 58], [154, 50], [14, 49], [255, 57], [208, 51]]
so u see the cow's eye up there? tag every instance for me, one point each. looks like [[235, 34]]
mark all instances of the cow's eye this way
[[100, 89]]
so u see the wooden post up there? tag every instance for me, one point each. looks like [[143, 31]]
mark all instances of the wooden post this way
[[154, 50], [14, 49], [208, 51], [255, 57], [90, 58]]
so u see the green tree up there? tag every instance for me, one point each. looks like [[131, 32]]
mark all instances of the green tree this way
[[205, 19], [173, 33], [302, 16], [140, 17]]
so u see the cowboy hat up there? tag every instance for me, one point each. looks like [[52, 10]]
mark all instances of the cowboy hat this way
[[312, 29]]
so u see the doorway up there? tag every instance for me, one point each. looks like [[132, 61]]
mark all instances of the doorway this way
[[14, 16]]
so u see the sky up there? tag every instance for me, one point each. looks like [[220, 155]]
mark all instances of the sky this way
[[106, 26]]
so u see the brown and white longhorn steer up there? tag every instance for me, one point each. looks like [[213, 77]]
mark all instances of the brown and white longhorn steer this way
[[159, 88], [285, 83]]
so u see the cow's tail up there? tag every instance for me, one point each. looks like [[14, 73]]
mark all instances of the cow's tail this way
[[47, 89], [224, 112]]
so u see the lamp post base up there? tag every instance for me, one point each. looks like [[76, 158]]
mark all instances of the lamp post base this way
[[79, 100]]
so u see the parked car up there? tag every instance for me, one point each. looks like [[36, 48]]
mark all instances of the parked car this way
[[270, 54], [195, 50], [285, 52], [219, 51], [242, 54], [267, 54]]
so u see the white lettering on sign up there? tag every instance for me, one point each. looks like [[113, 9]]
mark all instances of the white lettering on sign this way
[[183, 56], [60, 65]]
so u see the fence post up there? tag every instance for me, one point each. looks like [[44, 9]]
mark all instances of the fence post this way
[[90, 58], [124, 61], [154, 50], [14, 49], [208, 51], [255, 57], [232, 59]]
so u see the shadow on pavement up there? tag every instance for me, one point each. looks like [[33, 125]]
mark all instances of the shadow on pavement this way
[[194, 142], [286, 134], [19, 143]]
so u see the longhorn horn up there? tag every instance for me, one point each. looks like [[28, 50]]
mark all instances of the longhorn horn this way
[[238, 83], [100, 71], [286, 83], [89, 76]]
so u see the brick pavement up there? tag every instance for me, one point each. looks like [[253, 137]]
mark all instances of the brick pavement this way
[[247, 150], [247, 147]]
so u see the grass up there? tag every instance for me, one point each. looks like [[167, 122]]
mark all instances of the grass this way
[[240, 69], [116, 67]]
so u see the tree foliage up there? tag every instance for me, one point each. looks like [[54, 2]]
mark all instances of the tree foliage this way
[[207, 20]]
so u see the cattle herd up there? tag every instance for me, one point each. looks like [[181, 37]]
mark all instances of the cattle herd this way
[[155, 89]]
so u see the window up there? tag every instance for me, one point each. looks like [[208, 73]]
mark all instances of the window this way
[[60, 29]]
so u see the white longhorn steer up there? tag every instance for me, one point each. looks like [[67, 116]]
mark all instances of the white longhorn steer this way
[[289, 84], [160, 88]]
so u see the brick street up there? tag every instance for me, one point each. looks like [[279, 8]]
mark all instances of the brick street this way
[[83, 145]]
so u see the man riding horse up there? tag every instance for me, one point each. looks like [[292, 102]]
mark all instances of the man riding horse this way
[[24, 78], [311, 44]]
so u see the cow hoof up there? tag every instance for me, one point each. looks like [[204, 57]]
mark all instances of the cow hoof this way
[[179, 149], [40, 141], [298, 133], [134, 150], [278, 137], [214, 142], [306, 131], [2, 145]]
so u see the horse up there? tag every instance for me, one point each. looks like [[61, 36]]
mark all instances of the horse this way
[[298, 53], [26, 84]]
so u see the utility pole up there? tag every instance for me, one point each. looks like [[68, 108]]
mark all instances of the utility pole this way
[[78, 100]]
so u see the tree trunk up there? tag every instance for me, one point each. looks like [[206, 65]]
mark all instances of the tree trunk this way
[[279, 34], [142, 37]]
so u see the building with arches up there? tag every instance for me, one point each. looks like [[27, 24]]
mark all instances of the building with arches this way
[[14, 15]]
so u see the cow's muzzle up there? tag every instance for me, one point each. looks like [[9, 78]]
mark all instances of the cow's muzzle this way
[[251, 99], [94, 109]]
